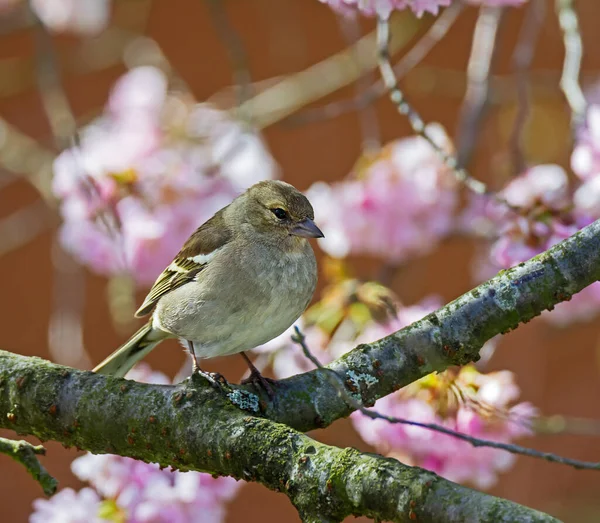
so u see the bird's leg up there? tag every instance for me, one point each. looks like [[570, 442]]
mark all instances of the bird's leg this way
[[214, 378], [256, 377]]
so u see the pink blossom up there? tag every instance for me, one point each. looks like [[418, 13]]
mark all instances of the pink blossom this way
[[452, 458], [150, 495], [398, 208], [68, 506], [80, 16], [384, 8], [546, 215], [585, 160], [496, 3], [149, 171]]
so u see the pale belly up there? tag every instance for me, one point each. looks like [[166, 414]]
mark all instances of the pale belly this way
[[255, 312]]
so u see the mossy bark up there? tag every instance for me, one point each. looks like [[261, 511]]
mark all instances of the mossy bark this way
[[194, 427]]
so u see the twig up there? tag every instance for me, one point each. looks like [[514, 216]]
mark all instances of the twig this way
[[54, 99], [25, 453], [65, 326], [415, 120], [23, 155], [569, 82], [24, 225], [476, 100], [369, 125], [338, 382], [235, 49], [522, 58], [424, 45], [319, 80]]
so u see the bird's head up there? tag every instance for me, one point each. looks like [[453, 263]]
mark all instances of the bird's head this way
[[278, 208]]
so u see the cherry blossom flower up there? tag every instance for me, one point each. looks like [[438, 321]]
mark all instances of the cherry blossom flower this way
[[397, 207], [486, 413], [78, 16], [149, 171], [547, 214], [68, 506]]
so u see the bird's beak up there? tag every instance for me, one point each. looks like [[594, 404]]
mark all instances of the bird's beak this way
[[306, 229]]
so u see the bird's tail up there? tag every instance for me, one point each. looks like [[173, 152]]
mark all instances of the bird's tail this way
[[127, 355]]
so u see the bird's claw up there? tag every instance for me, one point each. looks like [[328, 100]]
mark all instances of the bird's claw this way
[[258, 380], [217, 380]]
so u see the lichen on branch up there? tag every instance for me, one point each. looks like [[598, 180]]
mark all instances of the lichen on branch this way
[[194, 427]]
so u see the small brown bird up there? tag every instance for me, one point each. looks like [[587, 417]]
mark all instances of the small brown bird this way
[[240, 280]]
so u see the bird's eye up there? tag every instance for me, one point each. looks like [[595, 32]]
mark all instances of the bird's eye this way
[[280, 213]]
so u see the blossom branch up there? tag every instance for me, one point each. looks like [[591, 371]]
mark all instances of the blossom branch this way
[[569, 82], [416, 122], [438, 30], [194, 427], [338, 382], [522, 58], [452, 335], [297, 90], [476, 100], [25, 453]]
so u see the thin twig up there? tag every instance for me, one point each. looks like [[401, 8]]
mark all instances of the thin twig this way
[[521, 60], [369, 125], [321, 79], [24, 225], [569, 82], [416, 122], [54, 99], [476, 100], [25, 453], [338, 382], [235, 49], [424, 45]]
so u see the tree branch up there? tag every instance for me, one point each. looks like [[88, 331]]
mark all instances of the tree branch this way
[[194, 427], [452, 335], [25, 453]]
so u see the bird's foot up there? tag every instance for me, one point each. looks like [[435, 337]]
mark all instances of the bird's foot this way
[[217, 380], [258, 380]]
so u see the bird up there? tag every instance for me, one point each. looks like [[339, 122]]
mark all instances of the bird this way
[[240, 280]]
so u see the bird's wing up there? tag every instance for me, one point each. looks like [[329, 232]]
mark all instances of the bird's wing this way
[[193, 257]]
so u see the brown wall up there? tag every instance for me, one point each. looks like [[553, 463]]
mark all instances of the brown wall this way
[[557, 369]]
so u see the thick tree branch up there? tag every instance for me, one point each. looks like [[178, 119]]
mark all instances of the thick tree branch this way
[[194, 427], [453, 335]]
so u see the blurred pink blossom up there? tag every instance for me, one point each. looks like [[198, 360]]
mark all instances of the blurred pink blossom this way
[[496, 3], [68, 506], [149, 171], [399, 207], [384, 8], [79, 16], [489, 416], [141, 492], [548, 213]]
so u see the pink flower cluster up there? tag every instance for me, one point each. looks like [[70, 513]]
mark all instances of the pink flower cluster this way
[[399, 207], [79, 16], [131, 491], [545, 212], [486, 414], [149, 171], [384, 8]]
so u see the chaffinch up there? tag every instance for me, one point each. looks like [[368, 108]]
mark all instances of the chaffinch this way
[[240, 280]]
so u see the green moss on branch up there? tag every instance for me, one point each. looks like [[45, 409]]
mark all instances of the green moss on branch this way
[[194, 427]]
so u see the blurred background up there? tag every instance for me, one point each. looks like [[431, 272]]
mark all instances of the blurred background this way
[[53, 307]]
